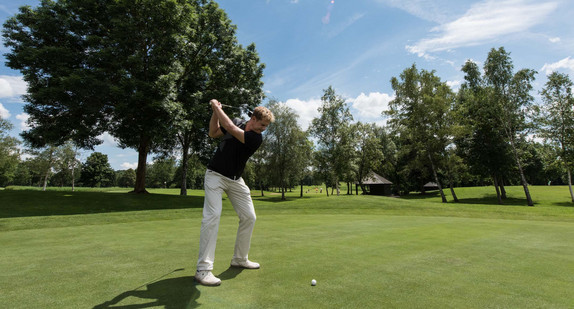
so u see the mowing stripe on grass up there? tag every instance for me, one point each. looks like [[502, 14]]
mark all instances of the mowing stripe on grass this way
[[367, 261]]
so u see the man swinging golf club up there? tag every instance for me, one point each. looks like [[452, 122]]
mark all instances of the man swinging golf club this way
[[240, 141]]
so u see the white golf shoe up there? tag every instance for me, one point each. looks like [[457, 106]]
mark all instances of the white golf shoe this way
[[205, 277], [244, 264]]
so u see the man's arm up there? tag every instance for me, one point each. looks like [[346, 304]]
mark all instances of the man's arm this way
[[214, 129], [224, 121]]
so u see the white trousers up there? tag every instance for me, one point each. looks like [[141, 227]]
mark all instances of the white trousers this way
[[240, 197]]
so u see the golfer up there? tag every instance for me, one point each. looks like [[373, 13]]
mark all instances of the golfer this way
[[240, 140]]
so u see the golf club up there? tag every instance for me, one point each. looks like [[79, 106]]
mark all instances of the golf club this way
[[244, 108]]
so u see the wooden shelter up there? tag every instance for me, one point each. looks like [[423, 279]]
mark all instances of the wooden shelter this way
[[376, 184], [430, 186]]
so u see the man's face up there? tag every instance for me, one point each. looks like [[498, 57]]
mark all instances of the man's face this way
[[259, 126]]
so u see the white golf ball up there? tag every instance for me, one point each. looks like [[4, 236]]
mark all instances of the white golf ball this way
[[313, 282]]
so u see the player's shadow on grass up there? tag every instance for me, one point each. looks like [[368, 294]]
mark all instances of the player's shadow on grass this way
[[173, 293], [230, 273]]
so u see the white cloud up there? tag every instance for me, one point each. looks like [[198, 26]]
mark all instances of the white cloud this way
[[4, 113], [23, 121], [12, 86], [454, 84], [307, 110], [108, 140], [554, 40], [484, 22], [371, 106], [367, 108], [438, 11], [127, 165], [566, 63]]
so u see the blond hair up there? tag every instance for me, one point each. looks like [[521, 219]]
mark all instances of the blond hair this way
[[263, 113]]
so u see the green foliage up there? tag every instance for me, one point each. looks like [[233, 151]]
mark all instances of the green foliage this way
[[126, 178], [141, 70], [194, 175], [496, 110], [369, 150], [9, 154], [421, 114], [161, 173], [97, 172], [67, 167], [480, 141], [287, 147], [556, 121], [334, 143]]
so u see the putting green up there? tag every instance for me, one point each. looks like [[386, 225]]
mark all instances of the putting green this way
[[366, 260]]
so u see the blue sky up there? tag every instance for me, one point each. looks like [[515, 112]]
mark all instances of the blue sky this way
[[357, 46]]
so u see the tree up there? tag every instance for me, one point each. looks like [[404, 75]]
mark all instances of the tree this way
[[390, 160], [333, 145], [161, 173], [287, 147], [97, 172], [556, 124], [194, 175], [116, 66], [126, 178], [43, 163], [258, 163], [213, 65], [511, 92], [369, 151], [9, 154], [480, 139], [66, 164], [422, 108]]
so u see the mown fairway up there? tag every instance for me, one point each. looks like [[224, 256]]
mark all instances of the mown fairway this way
[[117, 250]]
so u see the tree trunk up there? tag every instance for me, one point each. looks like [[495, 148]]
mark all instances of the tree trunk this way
[[502, 188], [261, 187], [436, 179], [143, 150], [519, 164], [184, 163], [570, 184], [45, 180], [301, 190], [455, 198], [327, 189], [526, 191], [452, 192], [522, 177], [495, 178], [50, 158], [73, 177]]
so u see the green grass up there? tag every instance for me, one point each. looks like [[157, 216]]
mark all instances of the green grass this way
[[87, 249]]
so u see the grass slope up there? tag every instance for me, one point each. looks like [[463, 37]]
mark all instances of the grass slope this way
[[117, 250]]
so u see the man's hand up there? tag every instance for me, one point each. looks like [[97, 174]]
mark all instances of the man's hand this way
[[215, 104]]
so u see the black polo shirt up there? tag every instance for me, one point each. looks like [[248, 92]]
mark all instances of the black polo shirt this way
[[232, 155]]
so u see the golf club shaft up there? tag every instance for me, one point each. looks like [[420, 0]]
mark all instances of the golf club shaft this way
[[225, 105]]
